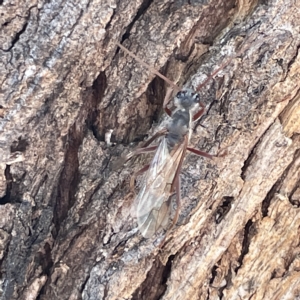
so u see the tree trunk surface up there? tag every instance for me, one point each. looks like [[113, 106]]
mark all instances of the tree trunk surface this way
[[66, 230]]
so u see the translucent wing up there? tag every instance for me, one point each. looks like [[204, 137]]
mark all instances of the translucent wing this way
[[152, 204]]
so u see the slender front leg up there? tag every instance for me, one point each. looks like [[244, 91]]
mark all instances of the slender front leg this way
[[205, 154], [135, 175], [167, 99], [200, 112], [200, 153]]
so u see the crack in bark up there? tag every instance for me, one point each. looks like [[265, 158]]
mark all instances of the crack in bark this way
[[276, 187], [98, 89], [155, 284], [143, 8], [9, 179], [248, 234], [252, 153], [223, 209], [17, 37], [20, 32], [70, 176]]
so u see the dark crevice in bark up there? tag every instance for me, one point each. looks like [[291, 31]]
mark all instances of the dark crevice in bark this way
[[248, 161], [17, 37], [155, 94], [296, 201], [223, 209], [50, 267], [68, 179], [12, 194], [263, 2], [108, 28], [19, 145], [291, 62], [6, 199], [70, 176], [258, 90], [98, 89], [144, 6], [276, 187], [208, 295], [83, 285], [45, 260], [139, 125], [155, 283], [213, 274], [267, 201], [249, 231], [290, 257], [167, 271]]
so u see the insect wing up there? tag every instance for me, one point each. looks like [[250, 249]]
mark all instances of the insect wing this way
[[153, 201]]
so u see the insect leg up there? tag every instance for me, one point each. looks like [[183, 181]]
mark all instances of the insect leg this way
[[200, 112], [140, 151], [200, 153], [153, 70], [155, 136], [176, 184], [143, 149], [117, 164], [167, 99], [136, 174]]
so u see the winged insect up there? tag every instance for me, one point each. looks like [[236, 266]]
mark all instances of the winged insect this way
[[152, 205]]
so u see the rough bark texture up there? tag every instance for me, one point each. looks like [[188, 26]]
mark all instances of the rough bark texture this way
[[65, 225]]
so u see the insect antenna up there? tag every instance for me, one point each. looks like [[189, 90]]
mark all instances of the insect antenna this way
[[213, 74], [226, 63], [153, 70]]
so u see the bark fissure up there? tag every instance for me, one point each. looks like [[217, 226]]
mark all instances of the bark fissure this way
[[17, 34], [8, 178], [223, 209], [155, 283], [142, 9], [248, 234]]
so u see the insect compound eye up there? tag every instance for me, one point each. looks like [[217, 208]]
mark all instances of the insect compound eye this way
[[181, 94], [196, 98]]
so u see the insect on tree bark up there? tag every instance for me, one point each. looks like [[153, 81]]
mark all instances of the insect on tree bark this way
[[65, 230], [153, 204]]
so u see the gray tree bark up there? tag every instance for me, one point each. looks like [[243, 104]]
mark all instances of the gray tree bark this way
[[65, 226]]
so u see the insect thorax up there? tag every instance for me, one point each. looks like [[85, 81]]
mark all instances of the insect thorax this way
[[178, 127]]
